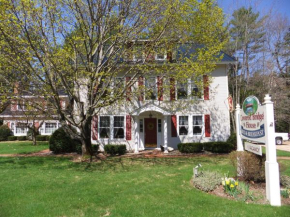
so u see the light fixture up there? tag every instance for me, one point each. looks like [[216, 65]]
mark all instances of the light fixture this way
[[150, 115]]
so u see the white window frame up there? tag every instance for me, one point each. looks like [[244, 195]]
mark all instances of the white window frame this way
[[23, 132], [191, 83], [160, 59], [51, 130], [179, 125], [124, 126], [111, 128], [193, 124], [176, 90], [145, 87]]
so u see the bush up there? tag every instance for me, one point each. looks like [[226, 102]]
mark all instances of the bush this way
[[233, 140], [12, 138], [252, 166], [5, 132], [285, 181], [42, 138], [207, 181], [190, 147], [21, 138], [115, 149], [218, 147], [61, 142]]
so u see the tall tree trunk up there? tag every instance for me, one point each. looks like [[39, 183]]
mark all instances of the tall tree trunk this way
[[87, 149]]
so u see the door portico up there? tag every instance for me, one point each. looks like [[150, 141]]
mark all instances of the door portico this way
[[150, 127]]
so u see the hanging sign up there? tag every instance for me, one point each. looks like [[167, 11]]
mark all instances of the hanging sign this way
[[252, 120], [256, 149]]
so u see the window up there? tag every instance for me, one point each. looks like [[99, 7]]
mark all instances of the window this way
[[159, 125], [197, 125], [141, 125], [151, 88], [183, 125], [105, 127], [195, 89], [50, 128], [182, 90], [21, 106], [119, 127], [21, 128]]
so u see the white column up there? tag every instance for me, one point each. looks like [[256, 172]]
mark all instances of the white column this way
[[165, 137], [238, 129], [271, 165], [136, 134]]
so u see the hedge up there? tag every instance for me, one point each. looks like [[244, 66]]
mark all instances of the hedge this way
[[190, 147], [12, 138], [21, 138], [42, 138], [214, 147], [218, 147], [115, 149]]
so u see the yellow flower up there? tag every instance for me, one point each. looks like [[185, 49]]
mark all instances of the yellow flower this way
[[227, 182], [236, 183], [223, 183], [232, 186]]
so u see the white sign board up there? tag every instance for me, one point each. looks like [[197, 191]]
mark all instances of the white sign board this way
[[256, 149], [252, 120]]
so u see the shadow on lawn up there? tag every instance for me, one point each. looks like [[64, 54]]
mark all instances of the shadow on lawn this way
[[111, 164]]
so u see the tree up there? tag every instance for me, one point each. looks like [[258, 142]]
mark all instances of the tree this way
[[81, 47]]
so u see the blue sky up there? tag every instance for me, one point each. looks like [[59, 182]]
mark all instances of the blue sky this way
[[263, 6]]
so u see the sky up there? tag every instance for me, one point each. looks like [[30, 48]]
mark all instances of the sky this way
[[263, 6]]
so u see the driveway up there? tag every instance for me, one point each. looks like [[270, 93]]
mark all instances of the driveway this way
[[284, 147]]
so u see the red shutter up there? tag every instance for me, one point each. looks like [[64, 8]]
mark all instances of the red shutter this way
[[172, 89], [128, 127], [207, 125], [141, 88], [95, 127], [205, 87], [8, 124], [128, 92], [173, 126], [169, 56], [160, 88]]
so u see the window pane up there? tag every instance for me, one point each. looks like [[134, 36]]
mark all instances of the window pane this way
[[104, 133], [151, 88], [50, 127], [118, 133], [197, 120], [197, 130], [183, 130], [104, 121], [118, 121], [141, 125], [183, 120], [182, 90]]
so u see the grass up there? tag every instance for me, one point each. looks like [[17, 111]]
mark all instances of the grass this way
[[280, 153], [24, 147], [54, 186]]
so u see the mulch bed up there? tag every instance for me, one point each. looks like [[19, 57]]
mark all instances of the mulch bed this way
[[259, 193]]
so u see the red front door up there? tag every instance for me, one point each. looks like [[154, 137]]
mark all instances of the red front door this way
[[150, 132]]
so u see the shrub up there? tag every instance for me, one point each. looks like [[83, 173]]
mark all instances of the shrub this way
[[251, 166], [41, 138], [61, 142], [115, 149], [285, 181], [190, 147], [21, 138], [12, 138], [5, 132], [207, 181], [218, 147], [233, 140]]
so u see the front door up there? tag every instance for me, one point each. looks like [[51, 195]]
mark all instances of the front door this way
[[150, 132]]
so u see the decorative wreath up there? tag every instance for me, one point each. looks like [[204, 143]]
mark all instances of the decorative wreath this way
[[150, 126]]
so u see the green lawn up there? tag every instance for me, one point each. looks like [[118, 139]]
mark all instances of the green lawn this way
[[24, 147], [279, 153], [54, 186]]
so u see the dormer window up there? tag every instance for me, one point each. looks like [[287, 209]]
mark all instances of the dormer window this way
[[160, 56]]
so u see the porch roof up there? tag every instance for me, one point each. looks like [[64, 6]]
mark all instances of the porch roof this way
[[150, 107]]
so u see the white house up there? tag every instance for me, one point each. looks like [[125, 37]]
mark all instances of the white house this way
[[168, 119]]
